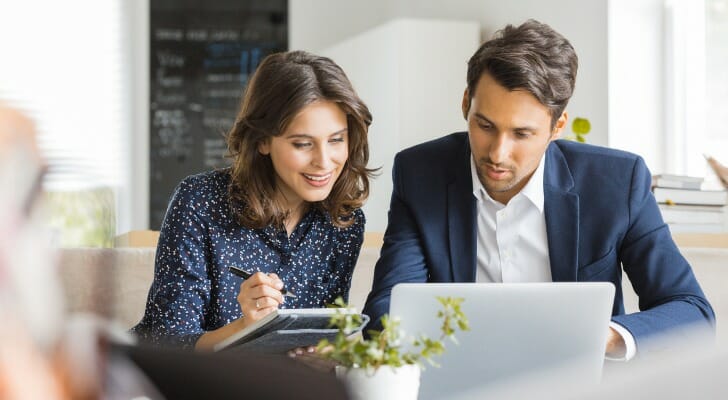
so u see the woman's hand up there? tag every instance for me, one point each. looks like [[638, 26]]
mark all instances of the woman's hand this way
[[259, 296]]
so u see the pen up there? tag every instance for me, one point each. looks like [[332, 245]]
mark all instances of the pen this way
[[245, 275]]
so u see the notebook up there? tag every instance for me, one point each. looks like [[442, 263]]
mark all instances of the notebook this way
[[514, 329], [286, 329]]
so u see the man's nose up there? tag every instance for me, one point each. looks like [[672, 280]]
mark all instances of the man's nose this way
[[500, 148]]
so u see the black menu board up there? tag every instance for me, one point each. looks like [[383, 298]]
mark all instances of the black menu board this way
[[202, 54]]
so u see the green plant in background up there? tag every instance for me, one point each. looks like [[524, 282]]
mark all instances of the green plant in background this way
[[580, 127], [387, 347], [82, 218]]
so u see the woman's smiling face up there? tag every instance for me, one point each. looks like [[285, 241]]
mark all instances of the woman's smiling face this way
[[310, 154]]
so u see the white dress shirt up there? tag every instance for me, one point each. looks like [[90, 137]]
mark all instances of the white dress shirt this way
[[512, 239]]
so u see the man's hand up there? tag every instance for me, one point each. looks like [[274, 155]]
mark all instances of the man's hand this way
[[615, 344]]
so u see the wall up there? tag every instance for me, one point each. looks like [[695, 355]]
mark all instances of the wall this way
[[138, 195], [316, 24], [637, 79], [584, 23], [413, 93]]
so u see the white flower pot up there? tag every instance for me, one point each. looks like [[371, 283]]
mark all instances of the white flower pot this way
[[401, 383]]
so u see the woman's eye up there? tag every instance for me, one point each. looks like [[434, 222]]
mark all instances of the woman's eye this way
[[301, 145], [337, 140]]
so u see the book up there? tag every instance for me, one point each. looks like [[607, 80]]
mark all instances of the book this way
[[677, 181], [682, 178], [696, 197], [673, 214], [667, 183], [697, 228], [286, 329]]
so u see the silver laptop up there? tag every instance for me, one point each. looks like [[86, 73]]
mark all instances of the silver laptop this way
[[515, 329]]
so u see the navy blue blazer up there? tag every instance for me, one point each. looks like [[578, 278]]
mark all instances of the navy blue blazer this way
[[599, 212]]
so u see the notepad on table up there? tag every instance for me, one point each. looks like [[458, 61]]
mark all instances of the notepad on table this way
[[286, 329]]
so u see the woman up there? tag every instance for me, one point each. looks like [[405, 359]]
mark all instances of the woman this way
[[288, 208]]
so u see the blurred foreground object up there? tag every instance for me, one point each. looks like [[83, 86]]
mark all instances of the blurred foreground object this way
[[695, 370], [31, 306], [29, 287]]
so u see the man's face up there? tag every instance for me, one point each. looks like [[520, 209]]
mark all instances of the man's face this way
[[509, 132]]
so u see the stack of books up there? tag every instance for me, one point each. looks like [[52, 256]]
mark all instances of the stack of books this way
[[686, 207]]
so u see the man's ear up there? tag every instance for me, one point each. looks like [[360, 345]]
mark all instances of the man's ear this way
[[466, 103], [560, 125], [264, 147]]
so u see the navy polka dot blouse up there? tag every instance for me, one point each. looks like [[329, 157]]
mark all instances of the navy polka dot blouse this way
[[193, 292]]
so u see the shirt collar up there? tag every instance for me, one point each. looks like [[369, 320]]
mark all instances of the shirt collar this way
[[532, 191], [534, 188]]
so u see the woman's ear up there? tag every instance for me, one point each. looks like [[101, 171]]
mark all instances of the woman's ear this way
[[264, 147]]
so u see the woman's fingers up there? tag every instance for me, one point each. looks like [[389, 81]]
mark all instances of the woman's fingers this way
[[276, 282], [260, 295], [262, 312], [260, 291], [256, 308], [260, 278], [265, 302]]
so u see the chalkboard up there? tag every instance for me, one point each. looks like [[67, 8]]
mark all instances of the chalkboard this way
[[201, 56]]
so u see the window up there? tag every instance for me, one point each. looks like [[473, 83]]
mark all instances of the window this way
[[668, 85], [697, 84], [64, 66], [716, 74]]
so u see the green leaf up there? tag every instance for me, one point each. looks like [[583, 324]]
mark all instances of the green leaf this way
[[580, 126], [384, 347]]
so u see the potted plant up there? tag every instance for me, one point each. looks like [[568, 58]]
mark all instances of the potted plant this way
[[387, 365], [580, 127]]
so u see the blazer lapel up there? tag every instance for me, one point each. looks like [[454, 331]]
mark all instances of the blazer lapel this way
[[461, 219], [561, 208]]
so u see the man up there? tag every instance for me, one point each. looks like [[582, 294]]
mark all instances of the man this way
[[506, 202]]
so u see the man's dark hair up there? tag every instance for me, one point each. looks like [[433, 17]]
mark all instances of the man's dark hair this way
[[531, 57]]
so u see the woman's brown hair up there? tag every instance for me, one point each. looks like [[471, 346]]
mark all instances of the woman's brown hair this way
[[282, 85]]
